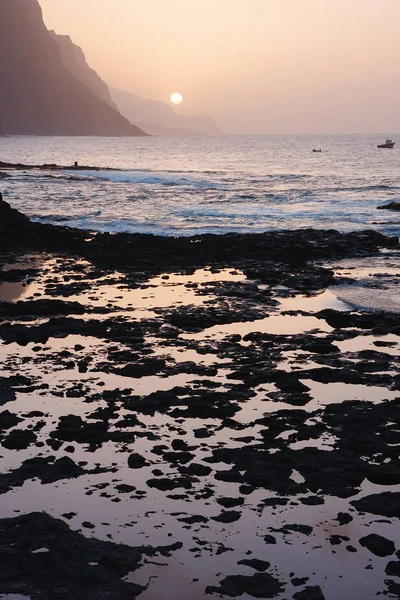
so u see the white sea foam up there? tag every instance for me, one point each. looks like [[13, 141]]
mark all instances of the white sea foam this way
[[186, 186], [386, 299], [145, 177]]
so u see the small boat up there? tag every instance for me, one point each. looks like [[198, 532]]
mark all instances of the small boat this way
[[315, 150], [387, 144]]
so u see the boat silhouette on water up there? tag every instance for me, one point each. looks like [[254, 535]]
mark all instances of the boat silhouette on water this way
[[387, 144]]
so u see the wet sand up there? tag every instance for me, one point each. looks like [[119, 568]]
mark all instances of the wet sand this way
[[196, 417]]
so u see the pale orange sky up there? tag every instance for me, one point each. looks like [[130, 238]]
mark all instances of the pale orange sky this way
[[257, 66]]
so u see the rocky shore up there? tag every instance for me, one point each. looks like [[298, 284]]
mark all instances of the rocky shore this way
[[5, 167], [196, 416]]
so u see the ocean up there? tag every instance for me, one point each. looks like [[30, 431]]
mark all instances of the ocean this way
[[185, 186]]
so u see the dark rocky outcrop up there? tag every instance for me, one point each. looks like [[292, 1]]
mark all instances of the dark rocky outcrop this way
[[255, 563], [378, 545], [47, 470], [41, 557], [311, 592], [260, 585], [38, 94], [390, 206], [386, 504], [269, 253], [40, 308]]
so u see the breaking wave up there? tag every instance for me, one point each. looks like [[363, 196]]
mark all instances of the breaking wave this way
[[186, 186], [150, 177]]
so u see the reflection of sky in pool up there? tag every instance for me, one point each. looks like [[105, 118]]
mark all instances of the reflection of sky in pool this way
[[211, 550]]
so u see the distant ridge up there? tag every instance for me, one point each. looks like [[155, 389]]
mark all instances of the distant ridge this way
[[43, 91], [158, 118]]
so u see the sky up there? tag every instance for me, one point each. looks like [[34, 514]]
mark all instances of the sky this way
[[256, 66]]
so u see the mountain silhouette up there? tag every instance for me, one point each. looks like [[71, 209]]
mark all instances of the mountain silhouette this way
[[158, 118], [41, 92], [74, 60]]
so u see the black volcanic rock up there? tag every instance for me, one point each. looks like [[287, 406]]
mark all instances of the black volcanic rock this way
[[42, 558], [386, 504], [257, 254], [17, 231], [390, 206], [38, 93], [260, 585], [378, 545]]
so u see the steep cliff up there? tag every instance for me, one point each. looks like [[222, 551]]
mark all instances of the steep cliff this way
[[39, 95], [74, 60]]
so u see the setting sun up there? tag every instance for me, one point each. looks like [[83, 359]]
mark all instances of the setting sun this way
[[176, 98]]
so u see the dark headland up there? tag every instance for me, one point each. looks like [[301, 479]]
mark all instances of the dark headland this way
[[187, 444], [46, 86]]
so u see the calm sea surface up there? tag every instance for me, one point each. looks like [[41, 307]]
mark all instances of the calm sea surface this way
[[185, 186]]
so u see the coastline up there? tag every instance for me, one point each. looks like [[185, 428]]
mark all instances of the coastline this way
[[178, 370], [50, 167]]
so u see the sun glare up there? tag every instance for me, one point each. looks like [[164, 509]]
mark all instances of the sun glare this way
[[176, 98]]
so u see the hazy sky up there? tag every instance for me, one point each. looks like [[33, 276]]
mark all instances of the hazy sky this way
[[257, 66]]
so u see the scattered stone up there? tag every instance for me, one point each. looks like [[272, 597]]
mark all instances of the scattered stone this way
[[259, 585], [255, 563], [297, 581], [178, 457], [386, 504], [269, 539], [69, 515], [322, 347], [297, 528], [393, 588], [194, 519], [136, 461], [312, 500], [19, 439], [178, 444], [124, 488], [203, 432], [311, 592], [228, 516], [230, 502], [8, 420], [168, 484], [378, 545], [344, 518], [196, 469], [335, 540], [393, 568], [275, 502]]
